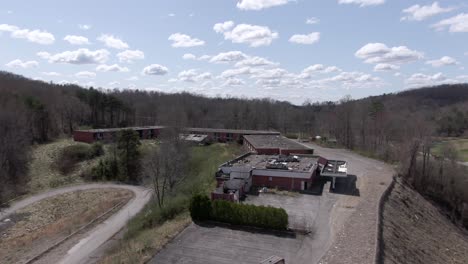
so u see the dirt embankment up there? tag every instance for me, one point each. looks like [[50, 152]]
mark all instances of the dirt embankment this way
[[38, 226], [416, 231]]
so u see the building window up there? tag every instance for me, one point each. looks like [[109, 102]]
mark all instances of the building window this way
[[270, 178]]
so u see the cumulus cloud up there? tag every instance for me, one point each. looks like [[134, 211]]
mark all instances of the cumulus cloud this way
[[230, 73], [354, 80], [85, 74], [362, 3], [223, 27], [111, 68], [274, 73], [253, 35], [421, 79], [444, 61], [155, 69], [230, 56], [192, 75], [255, 62], [130, 55], [22, 64], [189, 56], [380, 53], [382, 67], [79, 56], [184, 41], [305, 39], [259, 4], [312, 21], [35, 36], [318, 68], [458, 23], [76, 40], [113, 42], [233, 82], [419, 13]]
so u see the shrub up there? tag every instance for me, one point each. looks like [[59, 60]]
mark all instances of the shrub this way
[[292, 136], [200, 207], [238, 214], [72, 155]]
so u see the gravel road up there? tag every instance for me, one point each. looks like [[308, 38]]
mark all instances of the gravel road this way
[[80, 252]]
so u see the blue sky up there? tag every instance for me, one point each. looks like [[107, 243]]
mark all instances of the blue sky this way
[[287, 50]]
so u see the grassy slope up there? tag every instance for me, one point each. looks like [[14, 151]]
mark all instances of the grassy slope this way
[[461, 145], [42, 173], [142, 242], [415, 231]]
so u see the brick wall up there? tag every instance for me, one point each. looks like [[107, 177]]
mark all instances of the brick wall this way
[[82, 136], [285, 183]]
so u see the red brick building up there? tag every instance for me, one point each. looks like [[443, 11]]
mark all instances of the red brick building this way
[[274, 145]]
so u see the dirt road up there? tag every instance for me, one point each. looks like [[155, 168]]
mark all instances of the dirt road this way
[[80, 252]]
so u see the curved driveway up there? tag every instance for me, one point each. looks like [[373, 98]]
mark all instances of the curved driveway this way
[[100, 233]]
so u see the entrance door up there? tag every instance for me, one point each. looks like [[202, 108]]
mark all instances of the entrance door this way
[[305, 185]]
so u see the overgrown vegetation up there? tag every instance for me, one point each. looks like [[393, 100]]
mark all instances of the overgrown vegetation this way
[[70, 156], [202, 208]]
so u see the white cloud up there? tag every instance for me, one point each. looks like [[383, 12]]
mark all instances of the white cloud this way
[[253, 35], [380, 53], [192, 75], [233, 82], [354, 80], [35, 36], [113, 42], [84, 27], [229, 56], [189, 56], [305, 39], [230, 73], [79, 56], [386, 67], [76, 40], [458, 23], [130, 55], [111, 68], [223, 27], [259, 4], [255, 62], [155, 69], [362, 3], [184, 41], [312, 20], [85, 74], [133, 78], [421, 79], [444, 61], [22, 64], [204, 57], [419, 13], [317, 68], [43, 54], [51, 73], [269, 73]]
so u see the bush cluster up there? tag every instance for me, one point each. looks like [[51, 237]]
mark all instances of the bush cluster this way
[[202, 208], [72, 155]]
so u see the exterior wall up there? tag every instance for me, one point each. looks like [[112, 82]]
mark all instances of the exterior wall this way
[[224, 196], [268, 151], [296, 151], [294, 184], [82, 136]]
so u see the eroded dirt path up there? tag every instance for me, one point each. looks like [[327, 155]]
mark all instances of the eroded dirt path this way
[[91, 241]]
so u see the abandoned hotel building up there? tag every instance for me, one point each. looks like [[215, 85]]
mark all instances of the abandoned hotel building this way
[[271, 161]]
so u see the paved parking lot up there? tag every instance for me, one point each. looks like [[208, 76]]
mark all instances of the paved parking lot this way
[[219, 245]]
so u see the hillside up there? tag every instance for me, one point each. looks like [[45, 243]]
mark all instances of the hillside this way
[[416, 231]]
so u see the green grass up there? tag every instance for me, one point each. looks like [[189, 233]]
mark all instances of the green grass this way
[[460, 145]]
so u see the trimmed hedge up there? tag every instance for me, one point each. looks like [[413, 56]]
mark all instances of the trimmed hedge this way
[[202, 208]]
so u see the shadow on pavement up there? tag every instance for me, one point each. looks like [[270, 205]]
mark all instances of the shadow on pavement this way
[[254, 230], [346, 186]]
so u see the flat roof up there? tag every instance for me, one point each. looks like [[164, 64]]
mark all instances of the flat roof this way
[[101, 130], [234, 131], [335, 168], [304, 162], [273, 141]]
